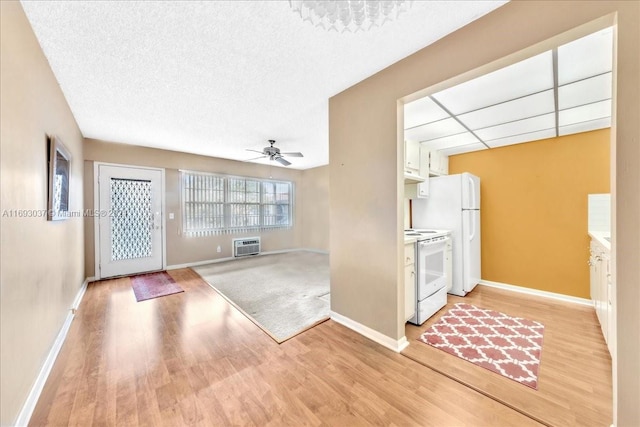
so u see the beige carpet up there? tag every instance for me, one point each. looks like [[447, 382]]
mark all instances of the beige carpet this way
[[284, 294]]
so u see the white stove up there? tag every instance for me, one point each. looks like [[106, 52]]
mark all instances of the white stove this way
[[433, 254]]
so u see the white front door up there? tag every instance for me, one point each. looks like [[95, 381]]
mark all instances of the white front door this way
[[130, 220]]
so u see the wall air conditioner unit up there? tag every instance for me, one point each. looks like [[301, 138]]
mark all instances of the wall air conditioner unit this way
[[248, 246]]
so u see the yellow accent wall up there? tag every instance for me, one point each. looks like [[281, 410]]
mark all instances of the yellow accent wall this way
[[534, 209]]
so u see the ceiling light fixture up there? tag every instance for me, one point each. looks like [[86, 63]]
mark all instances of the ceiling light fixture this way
[[349, 15]]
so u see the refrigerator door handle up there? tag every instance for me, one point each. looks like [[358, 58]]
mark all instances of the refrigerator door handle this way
[[472, 220], [472, 192]]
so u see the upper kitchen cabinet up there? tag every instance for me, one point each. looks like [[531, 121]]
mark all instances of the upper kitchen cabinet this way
[[438, 163], [412, 156], [412, 160]]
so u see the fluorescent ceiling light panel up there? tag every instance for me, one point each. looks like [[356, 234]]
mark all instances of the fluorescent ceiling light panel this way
[[522, 108], [583, 92], [523, 78], [451, 141], [422, 111], [586, 57], [585, 126], [533, 124], [597, 110], [518, 139], [463, 149], [439, 129]]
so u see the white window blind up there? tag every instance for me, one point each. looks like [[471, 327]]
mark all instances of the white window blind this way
[[214, 204]]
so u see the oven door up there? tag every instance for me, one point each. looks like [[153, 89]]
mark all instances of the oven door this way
[[432, 271]]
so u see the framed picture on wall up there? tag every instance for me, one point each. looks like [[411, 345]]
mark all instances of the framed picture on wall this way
[[59, 174]]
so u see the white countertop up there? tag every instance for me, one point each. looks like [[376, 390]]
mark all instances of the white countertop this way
[[599, 236], [410, 239]]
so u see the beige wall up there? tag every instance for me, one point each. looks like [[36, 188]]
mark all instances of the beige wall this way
[[41, 261], [366, 164], [315, 208], [183, 249]]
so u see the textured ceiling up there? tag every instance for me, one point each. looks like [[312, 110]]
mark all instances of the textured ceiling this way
[[218, 77]]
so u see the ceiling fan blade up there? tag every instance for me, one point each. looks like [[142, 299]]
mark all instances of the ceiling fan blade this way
[[282, 161], [255, 158], [296, 154], [255, 151]]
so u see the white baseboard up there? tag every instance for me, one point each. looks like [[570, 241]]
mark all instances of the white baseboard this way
[[213, 261], [530, 291], [317, 251], [372, 334], [32, 399]]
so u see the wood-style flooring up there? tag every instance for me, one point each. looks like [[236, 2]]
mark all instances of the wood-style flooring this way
[[193, 359], [574, 379]]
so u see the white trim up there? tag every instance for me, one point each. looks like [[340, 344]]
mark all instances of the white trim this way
[[372, 334], [96, 221], [96, 206], [537, 292], [198, 263], [32, 399], [317, 251]]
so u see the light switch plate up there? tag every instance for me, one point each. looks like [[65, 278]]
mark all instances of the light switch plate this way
[[171, 215]]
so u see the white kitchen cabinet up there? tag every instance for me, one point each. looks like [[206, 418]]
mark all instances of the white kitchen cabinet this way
[[420, 190], [438, 164], [412, 156], [409, 281], [602, 290]]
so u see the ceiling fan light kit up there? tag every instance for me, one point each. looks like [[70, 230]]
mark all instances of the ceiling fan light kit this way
[[273, 153], [349, 15]]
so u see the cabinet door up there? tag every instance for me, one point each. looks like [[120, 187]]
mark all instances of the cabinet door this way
[[604, 296], [412, 155], [594, 277], [409, 291], [443, 164], [423, 189]]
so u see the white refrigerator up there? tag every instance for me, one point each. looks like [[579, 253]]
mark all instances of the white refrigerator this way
[[454, 204]]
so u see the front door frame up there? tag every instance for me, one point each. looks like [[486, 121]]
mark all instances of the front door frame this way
[[96, 212]]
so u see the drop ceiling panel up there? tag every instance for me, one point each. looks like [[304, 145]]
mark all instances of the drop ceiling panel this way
[[439, 129], [422, 111], [585, 91], [586, 57], [451, 141], [585, 126], [597, 110], [533, 124], [518, 139], [501, 85], [463, 149], [517, 104], [529, 106]]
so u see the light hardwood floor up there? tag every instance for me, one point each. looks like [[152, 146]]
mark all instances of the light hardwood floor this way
[[193, 359], [574, 380]]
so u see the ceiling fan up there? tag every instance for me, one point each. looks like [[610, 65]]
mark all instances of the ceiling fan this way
[[273, 153]]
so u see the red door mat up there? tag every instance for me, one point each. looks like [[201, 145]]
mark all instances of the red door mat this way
[[509, 346], [154, 285]]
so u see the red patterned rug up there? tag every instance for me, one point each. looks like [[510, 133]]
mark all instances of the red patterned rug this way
[[154, 285], [509, 346]]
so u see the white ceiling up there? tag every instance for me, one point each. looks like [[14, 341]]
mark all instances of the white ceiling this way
[[218, 77], [517, 103]]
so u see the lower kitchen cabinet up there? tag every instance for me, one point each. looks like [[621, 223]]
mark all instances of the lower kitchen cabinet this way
[[409, 281], [602, 291]]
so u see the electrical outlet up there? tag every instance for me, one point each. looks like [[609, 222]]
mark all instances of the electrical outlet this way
[[219, 249]]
